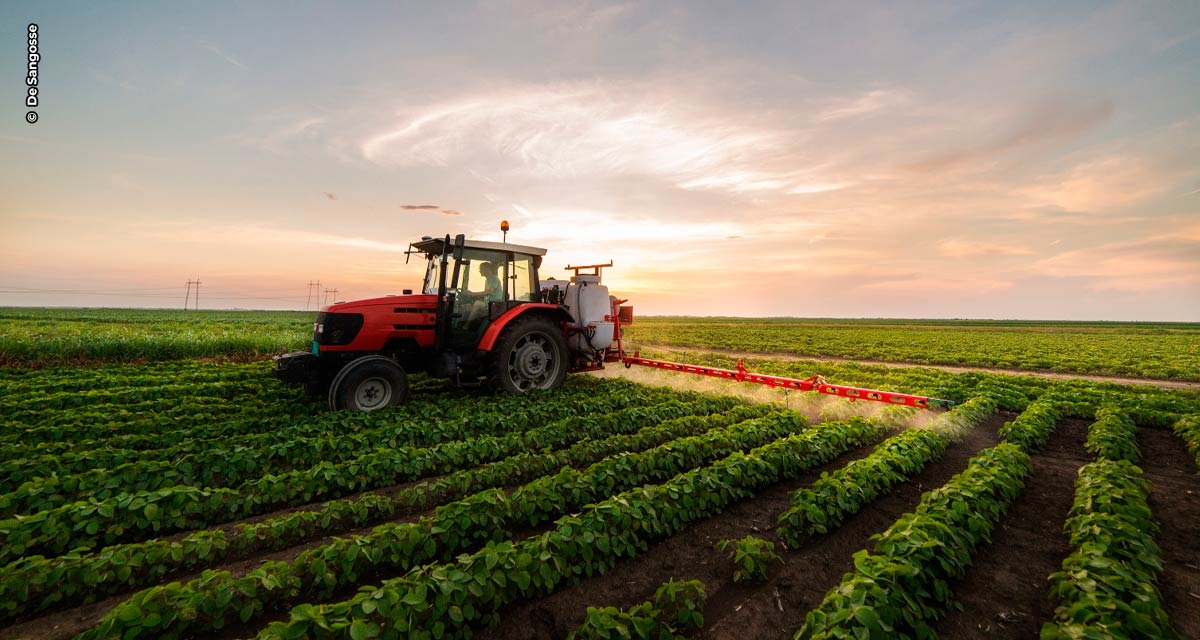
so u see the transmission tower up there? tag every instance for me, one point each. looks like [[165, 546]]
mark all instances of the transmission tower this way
[[188, 295], [312, 286]]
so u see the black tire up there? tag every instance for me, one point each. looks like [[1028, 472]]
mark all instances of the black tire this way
[[531, 353], [368, 384]]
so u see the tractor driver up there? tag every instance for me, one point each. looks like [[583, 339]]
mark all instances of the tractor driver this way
[[492, 290]]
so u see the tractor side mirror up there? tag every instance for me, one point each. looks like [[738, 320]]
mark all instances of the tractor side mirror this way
[[459, 241]]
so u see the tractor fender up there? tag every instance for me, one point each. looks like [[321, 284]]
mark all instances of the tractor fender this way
[[553, 311]]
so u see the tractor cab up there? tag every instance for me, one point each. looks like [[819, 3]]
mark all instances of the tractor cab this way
[[477, 282]]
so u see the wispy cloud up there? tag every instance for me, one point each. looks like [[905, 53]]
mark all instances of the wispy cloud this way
[[329, 196], [1162, 261], [871, 102], [573, 130], [227, 57], [283, 133], [259, 234], [961, 248], [1052, 119], [431, 208]]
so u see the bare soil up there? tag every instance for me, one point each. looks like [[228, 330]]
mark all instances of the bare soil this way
[[1005, 592], [1037, 373], [1175, 503], [774, 609]]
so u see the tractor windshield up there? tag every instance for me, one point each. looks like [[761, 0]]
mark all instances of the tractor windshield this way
[[432, 275]]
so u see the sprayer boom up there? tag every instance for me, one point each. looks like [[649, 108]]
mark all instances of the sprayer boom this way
[[815, 383]]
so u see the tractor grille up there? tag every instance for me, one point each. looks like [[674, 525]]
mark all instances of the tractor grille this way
[[337, 328]]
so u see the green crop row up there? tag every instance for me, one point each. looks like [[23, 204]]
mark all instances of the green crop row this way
[[434, 598], [165, 394], [896, 591], [132, 389], [1106, 585], [677, 609], [225, 467], [825, 504], [957, 422], [119, 429], [35, 583], [45, 337], [129, 517], [426, 420], [1188, 428], [1031, 430], [27, 384], [218, 599], [1113, 436]]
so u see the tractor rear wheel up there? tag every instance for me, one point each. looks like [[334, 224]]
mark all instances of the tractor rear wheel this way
[[368, 384], [531, 353]]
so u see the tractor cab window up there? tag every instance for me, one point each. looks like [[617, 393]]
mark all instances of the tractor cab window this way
[[479, 277], [432, 275], [522, 278]]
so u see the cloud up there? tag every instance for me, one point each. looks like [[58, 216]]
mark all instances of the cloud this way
[[923, 284], [1159, 262], [329, 196], [430, 207], [581, 130], [959, 248], [1051, 119], [873, 101], [227, 57], [258, 234], [1108, 181], [281, 133]]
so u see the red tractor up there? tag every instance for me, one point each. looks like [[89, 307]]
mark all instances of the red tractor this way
[[482, 318]]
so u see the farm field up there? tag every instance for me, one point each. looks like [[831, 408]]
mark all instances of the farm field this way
[[39, 337], [1165, 351], [188, 498]]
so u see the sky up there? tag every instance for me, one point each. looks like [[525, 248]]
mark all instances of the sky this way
[[935, 160]]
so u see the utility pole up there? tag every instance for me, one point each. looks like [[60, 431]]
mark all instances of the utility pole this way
[[312, 286], [329, 291], [189, 293]]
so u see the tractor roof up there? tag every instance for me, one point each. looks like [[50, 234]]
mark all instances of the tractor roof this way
[[434, 246]]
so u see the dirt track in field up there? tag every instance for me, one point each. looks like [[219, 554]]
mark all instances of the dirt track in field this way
[[790, 357], [750, 611]]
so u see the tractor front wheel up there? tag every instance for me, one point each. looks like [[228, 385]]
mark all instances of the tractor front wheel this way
[[531, 353], [368, 384]]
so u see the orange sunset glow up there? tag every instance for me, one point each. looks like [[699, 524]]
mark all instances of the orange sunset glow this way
[[762, 159]]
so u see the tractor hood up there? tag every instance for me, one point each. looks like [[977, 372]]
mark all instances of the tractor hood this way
[[425, 302]]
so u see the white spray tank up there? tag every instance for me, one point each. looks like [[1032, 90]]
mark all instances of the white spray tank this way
[[589, 303]]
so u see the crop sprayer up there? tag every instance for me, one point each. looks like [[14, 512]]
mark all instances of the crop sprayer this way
[[483, 317]]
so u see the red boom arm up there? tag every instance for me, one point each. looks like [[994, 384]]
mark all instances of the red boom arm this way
[[815, 383]]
